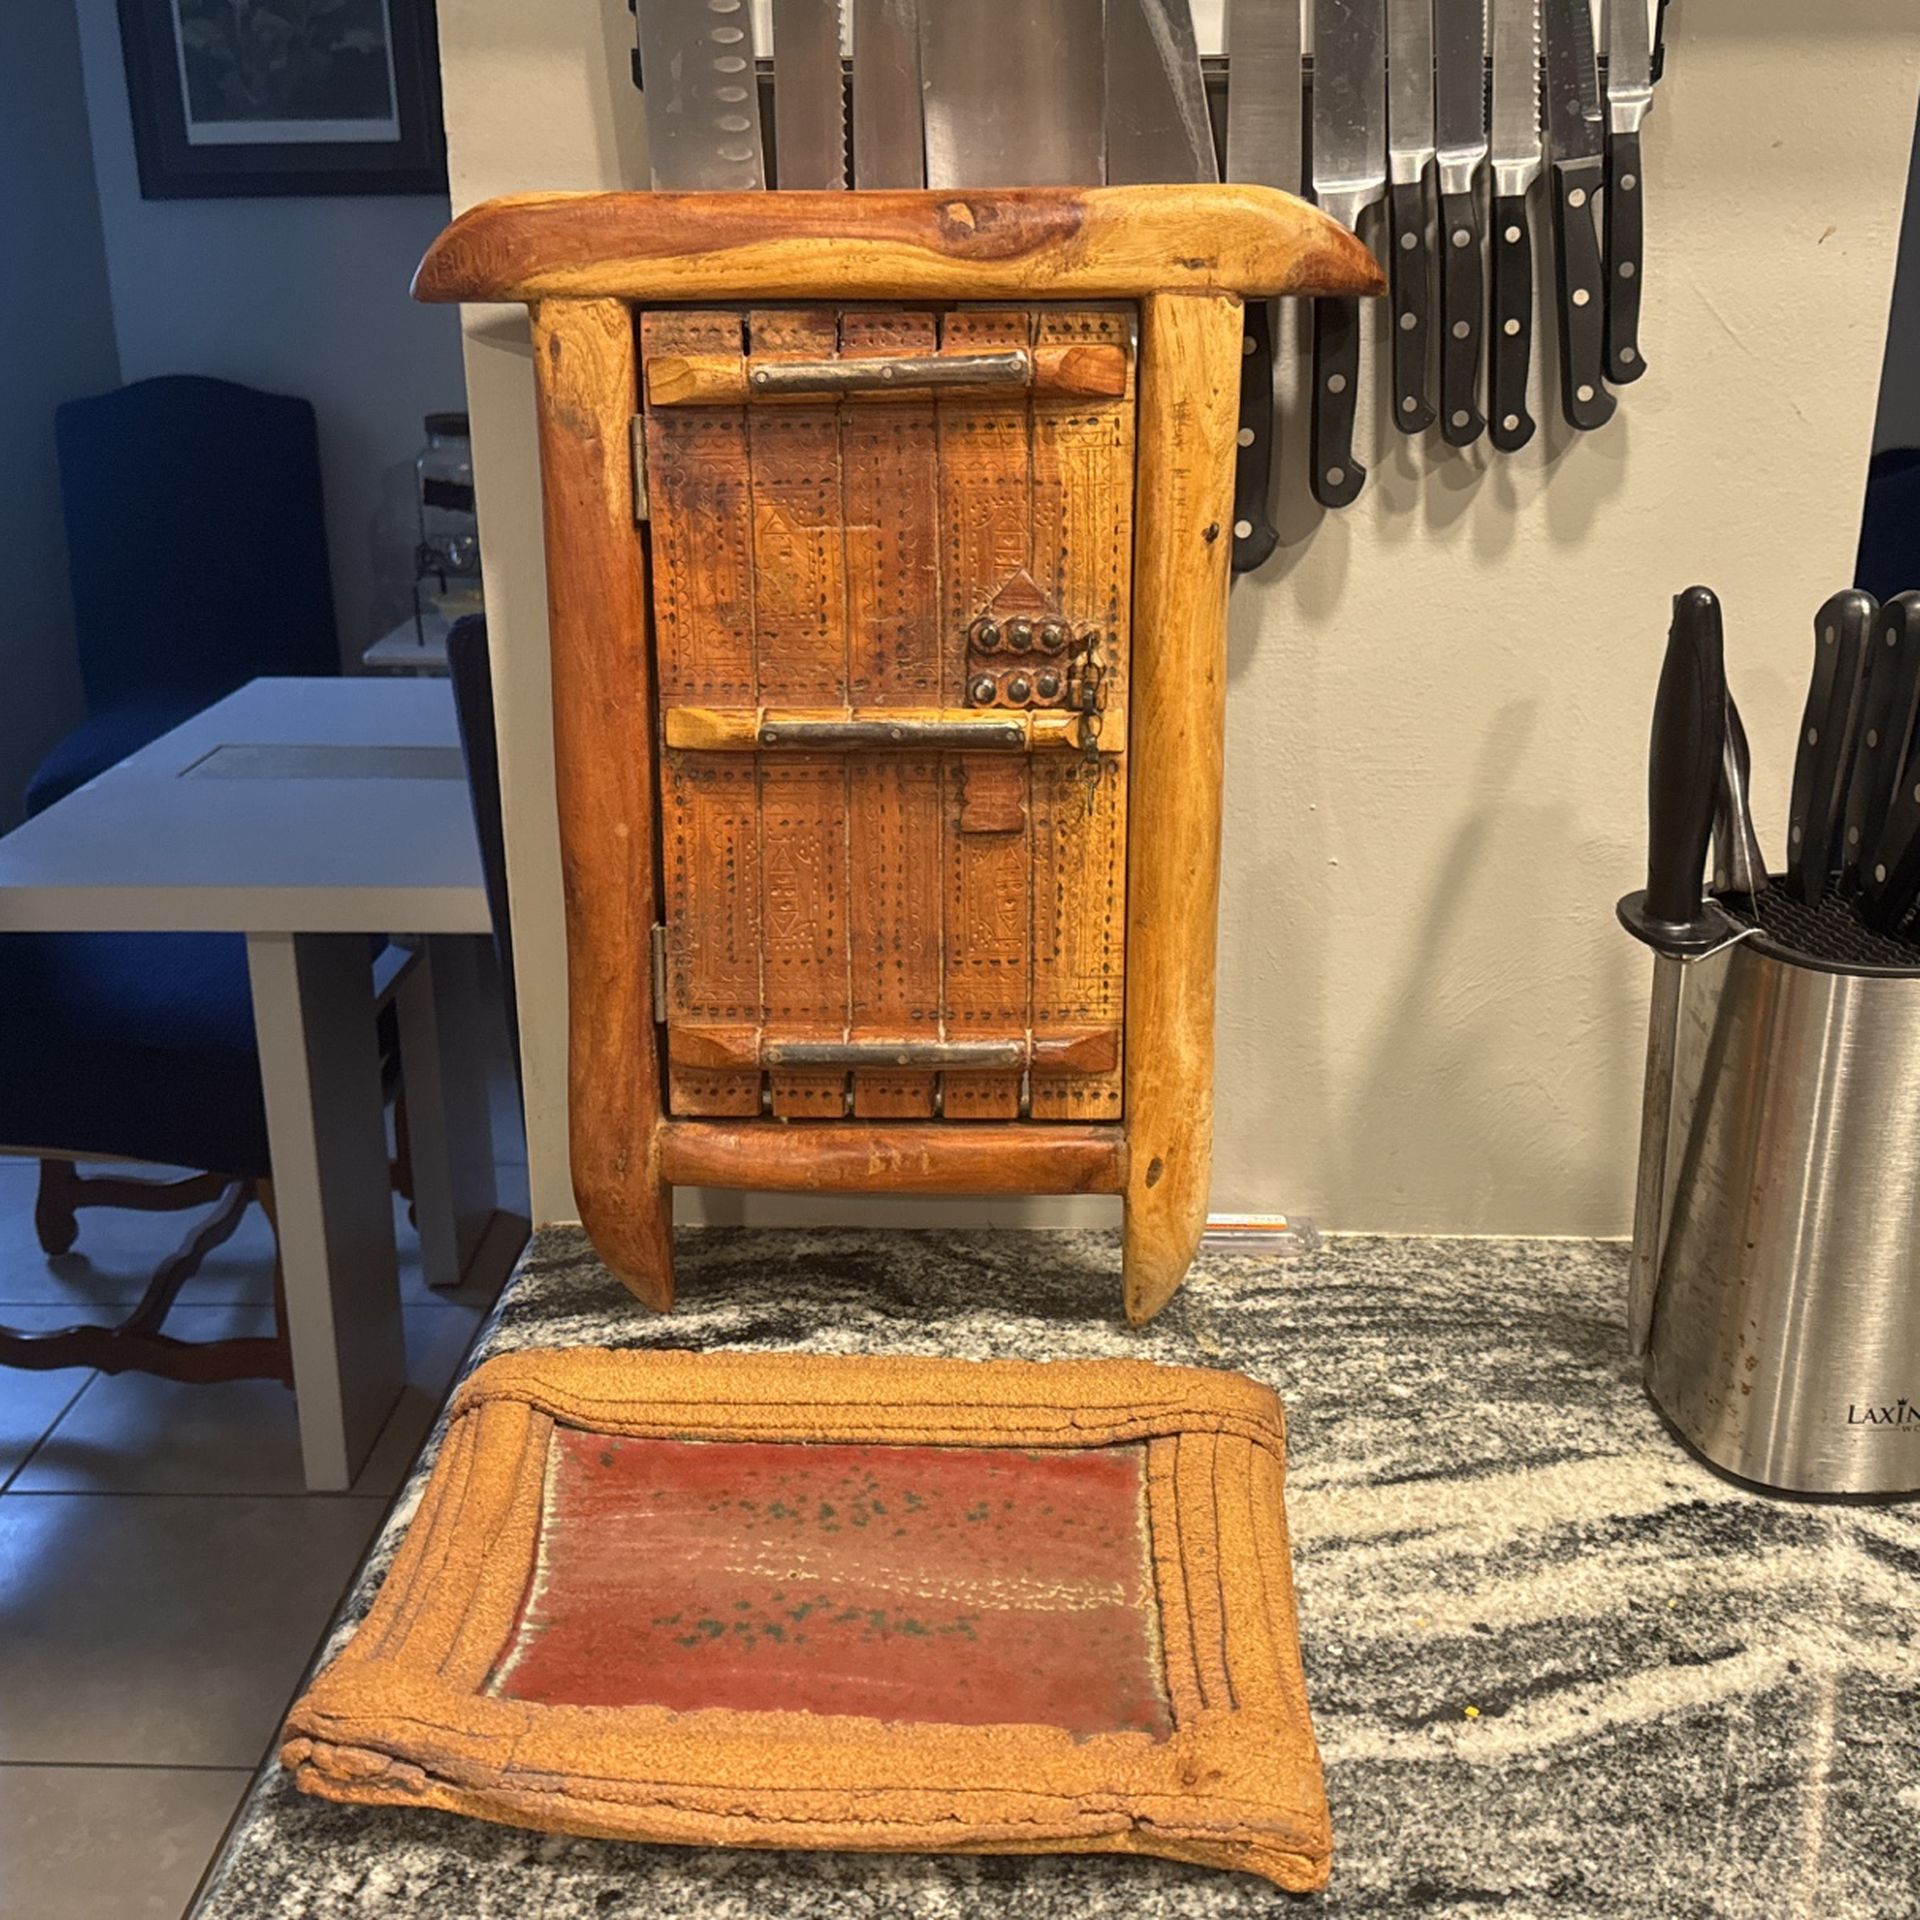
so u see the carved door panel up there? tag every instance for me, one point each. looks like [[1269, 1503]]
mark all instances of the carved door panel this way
[[892, 638]]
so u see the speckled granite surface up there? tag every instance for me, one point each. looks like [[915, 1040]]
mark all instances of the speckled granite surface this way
[[1557, 1666]]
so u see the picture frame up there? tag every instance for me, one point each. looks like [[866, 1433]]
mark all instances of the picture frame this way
[[249, 98]]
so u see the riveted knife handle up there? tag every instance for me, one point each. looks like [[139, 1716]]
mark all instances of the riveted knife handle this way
[[1412, 306], [1253, 457], [1463, 300], [1624, 258], [1584, 398], [1510, 352], [1337, 475]]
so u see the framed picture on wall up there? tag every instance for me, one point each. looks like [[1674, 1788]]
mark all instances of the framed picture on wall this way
[[246, 97]]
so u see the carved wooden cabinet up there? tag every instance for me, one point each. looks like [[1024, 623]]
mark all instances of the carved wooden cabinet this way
[[887, 542]]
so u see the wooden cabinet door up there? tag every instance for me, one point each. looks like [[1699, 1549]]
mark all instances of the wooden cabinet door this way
[[893, 834]]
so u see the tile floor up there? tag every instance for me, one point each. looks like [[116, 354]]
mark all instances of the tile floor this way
[[164, 1578]]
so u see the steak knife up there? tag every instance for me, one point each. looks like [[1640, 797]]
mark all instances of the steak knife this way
[[1158, 127], [703, 108], [1265, 136], [1349, 175], [1574, 131], [1887, 711], [809, 105], [1823, 760], [1516, 166], [1460, 39], [1410, 154], [889, 134], [1629, 96]]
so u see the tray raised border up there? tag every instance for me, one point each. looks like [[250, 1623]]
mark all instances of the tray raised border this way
[[400, 1717]]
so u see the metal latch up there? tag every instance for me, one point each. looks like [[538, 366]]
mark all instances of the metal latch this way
[[657, 953]]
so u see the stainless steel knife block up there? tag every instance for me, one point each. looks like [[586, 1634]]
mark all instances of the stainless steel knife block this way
[[1784, 1340]]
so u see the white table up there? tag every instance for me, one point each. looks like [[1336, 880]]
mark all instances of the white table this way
[[306, 815]]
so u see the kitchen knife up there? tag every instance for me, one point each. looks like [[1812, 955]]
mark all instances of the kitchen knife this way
[[1265, 135], [1629, 96], [1460, 91], [1887, 712], [1516, 166], [703, 108], [1014, 93], [1158, 127], [1349, 175], [1575, 139], [889, 139], [1410, 138], [1683, 771], [1824, 758], [1739, 867], [809, 104]]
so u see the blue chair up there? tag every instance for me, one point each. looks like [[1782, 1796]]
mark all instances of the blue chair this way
[[1889, 556], [199, 560], [197, 545]]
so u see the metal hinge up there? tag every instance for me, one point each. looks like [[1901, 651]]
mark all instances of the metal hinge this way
[[637, 446], [657, 953]]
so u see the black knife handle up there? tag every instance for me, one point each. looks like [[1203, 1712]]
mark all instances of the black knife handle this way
[[1584, 398], [1254, 534], [1510, 352], [1337, 475], [1463, 300], [1683, 760], [1625, 258], [1824, 760], [1412, 306]]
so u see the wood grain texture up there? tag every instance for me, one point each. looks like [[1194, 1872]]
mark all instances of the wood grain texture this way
[[1107, 243], [1189, 384], [851, 1156], [889, 464], [586, 371]]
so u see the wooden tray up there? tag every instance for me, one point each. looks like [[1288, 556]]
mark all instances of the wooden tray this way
[[886, 1604]]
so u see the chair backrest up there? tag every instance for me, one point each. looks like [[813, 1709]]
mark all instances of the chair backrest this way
[[196, 538]]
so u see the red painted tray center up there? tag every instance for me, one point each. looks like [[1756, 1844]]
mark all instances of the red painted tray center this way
[[965, 1585]]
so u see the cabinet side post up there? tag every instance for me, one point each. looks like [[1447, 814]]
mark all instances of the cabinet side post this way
[[1189, 398], [586, 370]]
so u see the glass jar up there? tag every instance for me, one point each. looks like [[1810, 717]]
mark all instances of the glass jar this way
[[443, 472]]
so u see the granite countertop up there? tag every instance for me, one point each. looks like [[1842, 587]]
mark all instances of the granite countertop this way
[[1557, 1666]]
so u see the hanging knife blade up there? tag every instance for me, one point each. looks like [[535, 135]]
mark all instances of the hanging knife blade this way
[[1158, 127], [1575, 138], [1629, 97], [1516, 166], [1887, 712], [1460, 38], [1842, 629], [1265, 136], [1349, 175], [1410, 154], [809, 105], [1683, 766], [1739, 867], [889, 138], [703, 109], [1013, 93]]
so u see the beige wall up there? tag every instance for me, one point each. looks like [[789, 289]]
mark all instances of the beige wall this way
[[1439, 700]]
